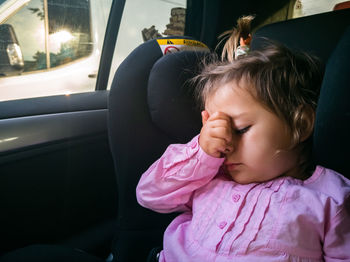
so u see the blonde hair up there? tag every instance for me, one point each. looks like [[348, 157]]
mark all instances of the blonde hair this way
[[234, 35]]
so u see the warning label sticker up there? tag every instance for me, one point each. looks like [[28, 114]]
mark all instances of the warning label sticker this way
[[174, 45]]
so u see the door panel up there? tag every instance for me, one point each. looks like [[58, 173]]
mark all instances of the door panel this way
[[35, 131], [57, 182]]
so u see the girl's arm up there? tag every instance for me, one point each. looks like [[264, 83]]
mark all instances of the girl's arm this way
[[336, 244], [168, 185]]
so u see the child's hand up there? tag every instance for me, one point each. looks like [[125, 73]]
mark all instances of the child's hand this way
[[216, 134]]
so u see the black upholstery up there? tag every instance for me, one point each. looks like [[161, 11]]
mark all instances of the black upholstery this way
[[332, 128], [150, 106], [49, 253], [169, 101], [316, 34]]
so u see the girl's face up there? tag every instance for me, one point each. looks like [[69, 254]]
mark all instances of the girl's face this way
[[260, 139]]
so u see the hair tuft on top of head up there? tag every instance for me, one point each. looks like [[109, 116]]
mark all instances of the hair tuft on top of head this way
[[232, 37]]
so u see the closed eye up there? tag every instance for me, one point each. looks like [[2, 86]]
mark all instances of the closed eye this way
[[242, 130]]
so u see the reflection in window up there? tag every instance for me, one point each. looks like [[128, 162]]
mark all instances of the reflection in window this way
[[68, 37], [69, 30], [29, 27]]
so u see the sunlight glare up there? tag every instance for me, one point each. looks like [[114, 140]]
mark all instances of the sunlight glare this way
[[59, 38]]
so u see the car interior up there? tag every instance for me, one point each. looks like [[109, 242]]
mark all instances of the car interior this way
[[68, 179]]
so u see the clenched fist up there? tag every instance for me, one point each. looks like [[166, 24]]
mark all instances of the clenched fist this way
[[216, 134]]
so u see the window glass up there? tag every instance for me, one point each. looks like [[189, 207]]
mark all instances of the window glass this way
[[69, 39], [28, 24], [311, 7], [145, 20], [50, 47], [300, 8]]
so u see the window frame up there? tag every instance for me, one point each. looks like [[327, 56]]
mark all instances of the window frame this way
[[110, 39]]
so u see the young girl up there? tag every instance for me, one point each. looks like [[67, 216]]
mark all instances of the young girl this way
[[245, 185]]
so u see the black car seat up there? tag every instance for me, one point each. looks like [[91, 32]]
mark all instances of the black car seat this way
[[151, 105], [316, 34], [331, 135]]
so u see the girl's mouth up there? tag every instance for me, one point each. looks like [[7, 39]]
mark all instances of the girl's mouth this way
[[232, 166]]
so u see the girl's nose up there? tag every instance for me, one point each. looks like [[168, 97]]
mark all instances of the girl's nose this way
[[233, 145], [229, 149]]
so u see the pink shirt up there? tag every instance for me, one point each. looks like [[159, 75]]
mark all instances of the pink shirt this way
[[285, 219]]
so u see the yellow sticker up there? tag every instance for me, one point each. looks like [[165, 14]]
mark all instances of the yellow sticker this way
[[174, 45]]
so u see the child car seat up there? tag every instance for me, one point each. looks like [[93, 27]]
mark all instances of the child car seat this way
[[151, 106], [332, 128], [315, 34]]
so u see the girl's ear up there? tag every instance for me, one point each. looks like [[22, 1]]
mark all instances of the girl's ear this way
[[306, 124]]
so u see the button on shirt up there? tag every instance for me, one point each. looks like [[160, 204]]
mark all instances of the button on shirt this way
[[285, 219], [236, 197]]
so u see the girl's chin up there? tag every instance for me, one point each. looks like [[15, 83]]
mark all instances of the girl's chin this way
[[240, 177]]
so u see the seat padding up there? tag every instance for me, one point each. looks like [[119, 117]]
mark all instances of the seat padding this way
[[316, 34], [332, 128], [171, 98], [140, 128]]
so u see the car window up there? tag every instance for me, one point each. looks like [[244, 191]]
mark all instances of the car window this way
[[311, 7], [300, 8], [53, 46], [145, 20], [29, 18], [62, 41]]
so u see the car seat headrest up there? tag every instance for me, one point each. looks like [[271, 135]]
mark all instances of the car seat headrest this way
[[141, 82], [307, 34], [332, 127], [170, 95]]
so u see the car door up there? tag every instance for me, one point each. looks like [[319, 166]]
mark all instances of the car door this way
[[57, 182]]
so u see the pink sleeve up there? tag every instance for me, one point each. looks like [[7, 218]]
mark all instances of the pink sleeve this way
[[336, 244], [168, 184]]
